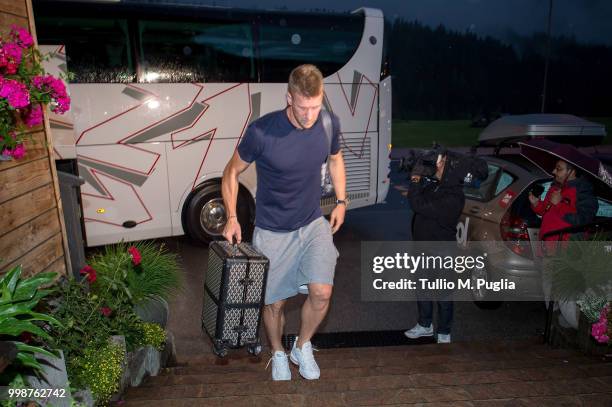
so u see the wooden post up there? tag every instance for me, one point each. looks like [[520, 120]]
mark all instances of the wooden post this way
[[32, 231]]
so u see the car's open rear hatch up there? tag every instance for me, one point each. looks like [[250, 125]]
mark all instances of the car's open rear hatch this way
[[562, 128]]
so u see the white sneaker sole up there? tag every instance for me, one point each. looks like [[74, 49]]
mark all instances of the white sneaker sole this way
[[412, 336], [295, 362]]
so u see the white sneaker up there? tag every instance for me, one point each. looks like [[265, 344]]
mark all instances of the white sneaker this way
[[418, 331], [280, 366], [305, 360], [444, 338]]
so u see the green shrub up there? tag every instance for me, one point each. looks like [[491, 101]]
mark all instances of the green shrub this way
[[581, 268], [100, 369], [18, 300], [83, 324], [152, 334], [156, 273], [90, 319]]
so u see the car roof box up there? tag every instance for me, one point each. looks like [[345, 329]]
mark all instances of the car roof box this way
[[562, 128]]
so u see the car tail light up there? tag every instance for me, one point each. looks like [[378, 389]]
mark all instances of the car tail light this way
[[514, 233]]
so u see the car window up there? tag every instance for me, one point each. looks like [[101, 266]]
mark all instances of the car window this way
[[605, 209], [481, 191], [497, 181], [504, 182], [546, 186]]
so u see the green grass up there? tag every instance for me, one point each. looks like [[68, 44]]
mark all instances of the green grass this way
[[452, 133], [422, 133], [606, 121]]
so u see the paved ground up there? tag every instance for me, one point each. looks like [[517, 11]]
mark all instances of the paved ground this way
[[389, 221]]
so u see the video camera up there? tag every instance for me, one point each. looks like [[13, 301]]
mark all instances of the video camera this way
[[460, 169], [422, 162]]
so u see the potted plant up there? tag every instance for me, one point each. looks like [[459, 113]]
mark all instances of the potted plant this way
[[144, 274], [99, 308], [583, 286]]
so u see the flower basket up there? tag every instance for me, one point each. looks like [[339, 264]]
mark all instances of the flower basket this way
[[25, 89]]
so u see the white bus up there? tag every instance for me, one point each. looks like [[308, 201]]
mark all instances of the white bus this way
[[162, 95]]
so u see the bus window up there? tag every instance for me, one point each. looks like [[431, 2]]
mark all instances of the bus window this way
[[288, 41], [196, 52], [99, 49]]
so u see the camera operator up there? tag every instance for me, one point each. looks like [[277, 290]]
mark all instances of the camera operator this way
[[436, 198]]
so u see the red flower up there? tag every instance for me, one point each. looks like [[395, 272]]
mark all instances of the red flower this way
[[106, 311], [90, 273], [136, 257]]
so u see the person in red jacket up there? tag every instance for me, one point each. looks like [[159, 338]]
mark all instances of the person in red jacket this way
[[569, 202]]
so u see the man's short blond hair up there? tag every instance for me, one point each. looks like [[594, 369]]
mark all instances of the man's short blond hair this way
[[307, 80]]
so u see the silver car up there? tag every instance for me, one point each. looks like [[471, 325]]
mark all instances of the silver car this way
[[497, 215]]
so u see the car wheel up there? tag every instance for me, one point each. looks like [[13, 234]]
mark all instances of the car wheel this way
[[480, 296], [205, 215]]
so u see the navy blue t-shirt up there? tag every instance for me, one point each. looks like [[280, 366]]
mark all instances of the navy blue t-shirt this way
[[288, 163]]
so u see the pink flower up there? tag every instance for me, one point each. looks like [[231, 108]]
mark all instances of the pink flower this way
[[21, 36], [34, 116], [136, 257], [10, 57], [57, 90], [16, 93], [90, 273], [18, 151], [106, 311], [599, 331]]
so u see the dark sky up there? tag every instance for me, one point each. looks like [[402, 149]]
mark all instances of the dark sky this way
[[587, 20]]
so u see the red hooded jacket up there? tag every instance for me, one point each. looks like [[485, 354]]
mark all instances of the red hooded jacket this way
[[578, 206]]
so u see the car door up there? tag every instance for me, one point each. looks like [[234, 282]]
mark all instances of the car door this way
[[476, 208]]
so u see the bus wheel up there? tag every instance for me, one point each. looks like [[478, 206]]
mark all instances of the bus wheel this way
[[205, 215]]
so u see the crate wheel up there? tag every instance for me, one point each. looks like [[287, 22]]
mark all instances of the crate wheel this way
[[220, 351], [254, 349]]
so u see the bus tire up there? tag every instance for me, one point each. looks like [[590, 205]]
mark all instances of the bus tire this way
[[205, 214]]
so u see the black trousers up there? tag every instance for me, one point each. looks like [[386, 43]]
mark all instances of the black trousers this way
[[445, 315]]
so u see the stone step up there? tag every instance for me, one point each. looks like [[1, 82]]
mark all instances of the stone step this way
[[425, 350], [347, 392], [559, 371], [590, 400], [522, 373], [429, 363], [421, 350]]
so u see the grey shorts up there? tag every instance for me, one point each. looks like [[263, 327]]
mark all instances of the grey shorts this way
[[303, 256]]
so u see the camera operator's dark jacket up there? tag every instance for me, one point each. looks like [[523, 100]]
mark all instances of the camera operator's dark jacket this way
[[436, 208], [437, 205]]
